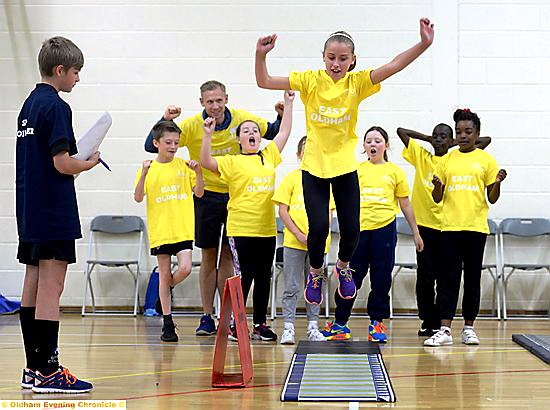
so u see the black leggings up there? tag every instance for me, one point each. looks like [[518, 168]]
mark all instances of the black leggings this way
[[256, 260], [430, 262], [345, 190], [463, 251]]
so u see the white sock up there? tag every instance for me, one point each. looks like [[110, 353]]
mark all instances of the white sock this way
[[446, 328], [468, 327], [289, 325], [312, 324]]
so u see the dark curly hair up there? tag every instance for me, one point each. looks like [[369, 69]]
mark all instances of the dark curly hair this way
[[464, 114]]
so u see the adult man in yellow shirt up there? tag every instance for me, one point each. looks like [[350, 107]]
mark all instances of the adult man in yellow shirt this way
[[211, 209]]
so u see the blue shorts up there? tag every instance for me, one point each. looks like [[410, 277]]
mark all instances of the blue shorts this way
[[210, 214], [31, 253], [172, 248]]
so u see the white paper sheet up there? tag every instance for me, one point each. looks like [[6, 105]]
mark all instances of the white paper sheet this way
[[91, 140]]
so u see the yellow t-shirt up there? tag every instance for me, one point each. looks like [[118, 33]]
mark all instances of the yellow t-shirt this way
[[223, 142], [169, 197], [426, 211], [380, 186], [251, 184], [465, 176], [331, 115], [291, 193]]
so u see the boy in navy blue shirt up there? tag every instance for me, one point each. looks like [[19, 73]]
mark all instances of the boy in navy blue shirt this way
[[47, 212]]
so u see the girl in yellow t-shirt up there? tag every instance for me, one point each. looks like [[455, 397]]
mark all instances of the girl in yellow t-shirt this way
[[428, 216], [383, 190], [169, 184], [460, 180], [331, 97], [250, 178]]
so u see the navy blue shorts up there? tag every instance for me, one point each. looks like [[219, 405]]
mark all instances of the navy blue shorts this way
[[172, 248], [210, 214], [31, 253]]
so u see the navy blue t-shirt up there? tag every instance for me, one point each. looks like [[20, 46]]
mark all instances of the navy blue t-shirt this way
[[46, 207]]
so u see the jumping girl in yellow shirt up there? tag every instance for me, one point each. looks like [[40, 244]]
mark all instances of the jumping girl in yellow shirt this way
[[331, 97]]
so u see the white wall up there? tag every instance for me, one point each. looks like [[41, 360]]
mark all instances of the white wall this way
[[490, 56]]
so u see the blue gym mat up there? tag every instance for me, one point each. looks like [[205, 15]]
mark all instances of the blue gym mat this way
[[337, 371], [536, 344]]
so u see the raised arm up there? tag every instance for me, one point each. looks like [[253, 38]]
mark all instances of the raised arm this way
[[483, 142], [439, 188], [273, 127], [263, 79], [286, 123], [139, 191], [65, 164], [405, 135], [493, 190], [408, 212], [171, 113], [207, 160], [406, 57], [198, 189]]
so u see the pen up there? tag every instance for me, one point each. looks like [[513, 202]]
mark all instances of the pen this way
[[104, 164]]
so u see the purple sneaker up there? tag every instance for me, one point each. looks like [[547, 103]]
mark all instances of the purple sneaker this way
[[346, 285], [313, 293]]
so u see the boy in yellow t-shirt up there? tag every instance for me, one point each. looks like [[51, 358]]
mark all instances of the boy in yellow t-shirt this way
[[290, 198], [460, 181], [384, 190], [428, 216], [250, 178], [331, 97], [168, 183]]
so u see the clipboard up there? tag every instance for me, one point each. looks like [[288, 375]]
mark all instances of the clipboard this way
[[92, 139]]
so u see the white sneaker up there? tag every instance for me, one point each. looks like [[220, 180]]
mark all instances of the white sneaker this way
[[287, 338], [441, 338], [313, 335], [469, 337]]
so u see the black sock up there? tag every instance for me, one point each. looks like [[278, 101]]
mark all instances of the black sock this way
[[47, 337], [28, 330], [167, 319]]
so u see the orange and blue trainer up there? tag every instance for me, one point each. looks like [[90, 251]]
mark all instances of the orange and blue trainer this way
[[334, 331]]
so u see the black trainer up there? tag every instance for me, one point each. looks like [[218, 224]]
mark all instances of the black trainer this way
[[427, 332], [169, 333]]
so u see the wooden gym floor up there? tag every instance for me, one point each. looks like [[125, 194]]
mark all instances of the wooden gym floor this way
[[125, 359]]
